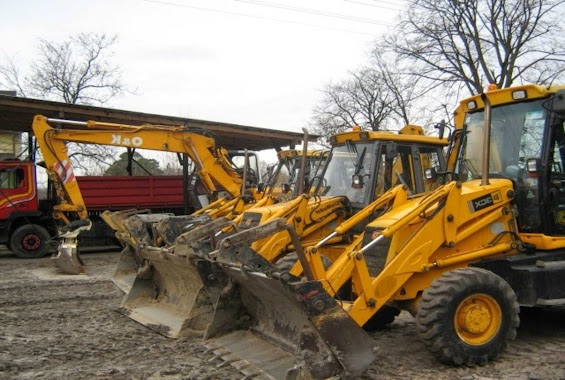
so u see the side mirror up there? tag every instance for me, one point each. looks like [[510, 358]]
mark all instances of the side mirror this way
[[430, 174], [286, 187], [357, 181], [559, 103], [441, 128], [260, 187], [533, 166]]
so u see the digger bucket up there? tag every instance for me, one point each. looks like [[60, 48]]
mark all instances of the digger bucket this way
[[67, 258], [272, 324], [176, 298]]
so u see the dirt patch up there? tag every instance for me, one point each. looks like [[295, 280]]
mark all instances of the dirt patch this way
[[55, 326]]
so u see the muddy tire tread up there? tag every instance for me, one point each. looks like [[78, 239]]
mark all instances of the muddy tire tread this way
[[435, 311]]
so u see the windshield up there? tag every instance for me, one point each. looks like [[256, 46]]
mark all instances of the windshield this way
[[284, 174], [281, 174], [238, 160], [516, 135], [345, 161]]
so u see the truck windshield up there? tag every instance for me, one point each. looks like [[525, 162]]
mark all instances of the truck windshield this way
[[516, 135]]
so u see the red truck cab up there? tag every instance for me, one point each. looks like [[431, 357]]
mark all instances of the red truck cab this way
[[24, 228], [17, 187], [27, 226]]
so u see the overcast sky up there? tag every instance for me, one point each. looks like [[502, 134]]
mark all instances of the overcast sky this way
[[251, 62]]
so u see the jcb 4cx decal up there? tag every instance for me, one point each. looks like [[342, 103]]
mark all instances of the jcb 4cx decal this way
[[485, 201]]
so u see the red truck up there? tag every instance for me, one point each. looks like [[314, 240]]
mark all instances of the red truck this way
[[27, 222]]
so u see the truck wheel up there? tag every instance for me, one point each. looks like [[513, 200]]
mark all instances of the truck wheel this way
[[467, 316], [382, 318], [30, 241]]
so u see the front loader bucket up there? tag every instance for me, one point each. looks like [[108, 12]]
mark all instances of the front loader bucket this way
[[141, 230], [128, 262], [126, 269], [169, 229], [115, 219], [273, 324], [177, 295], [135, 231]]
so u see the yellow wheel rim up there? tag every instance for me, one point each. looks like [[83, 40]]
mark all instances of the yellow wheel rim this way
[[478, 319]]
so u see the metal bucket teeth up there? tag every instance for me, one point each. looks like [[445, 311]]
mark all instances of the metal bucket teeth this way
[[242, 344]]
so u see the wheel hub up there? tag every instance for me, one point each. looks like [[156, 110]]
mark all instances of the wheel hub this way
[[31, 242], [475, 318], [478, 319]]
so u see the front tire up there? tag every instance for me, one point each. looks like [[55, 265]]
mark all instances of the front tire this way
[[286, 263], [467, 316], [382, 319], [30, 241]]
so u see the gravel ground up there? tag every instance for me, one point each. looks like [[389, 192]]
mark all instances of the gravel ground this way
[[55, 326]]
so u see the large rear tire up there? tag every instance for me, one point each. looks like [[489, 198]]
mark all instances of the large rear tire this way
[[30, 241], [467, 316]]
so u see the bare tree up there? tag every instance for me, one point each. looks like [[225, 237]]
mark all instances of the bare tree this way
[[10, 76], [355, 101], [376, 97], [440, 49], [477, 42], [78, 70], [409, 93]]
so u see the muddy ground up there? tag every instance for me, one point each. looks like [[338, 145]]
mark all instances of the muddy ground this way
[[55, 326]]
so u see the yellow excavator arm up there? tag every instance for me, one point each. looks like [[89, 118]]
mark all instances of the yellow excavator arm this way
[[211, 164]]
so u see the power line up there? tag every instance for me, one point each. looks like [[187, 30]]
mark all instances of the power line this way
[[204, 9], [373, 5], [387, 2], [313, 12]]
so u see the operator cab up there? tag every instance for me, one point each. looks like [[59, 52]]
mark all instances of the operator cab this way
[[527, 147], [363, 169], [241, 159], [284, 175]]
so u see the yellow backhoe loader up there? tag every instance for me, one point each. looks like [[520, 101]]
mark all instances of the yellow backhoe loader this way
[[212, 165], [179, 296], [462, 259]]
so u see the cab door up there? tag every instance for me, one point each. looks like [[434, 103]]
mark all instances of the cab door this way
[[17, 188]]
